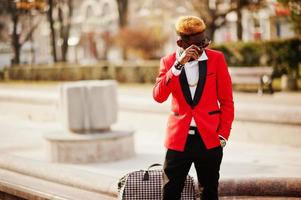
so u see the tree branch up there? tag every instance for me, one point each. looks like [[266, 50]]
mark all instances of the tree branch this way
[[29, 34]]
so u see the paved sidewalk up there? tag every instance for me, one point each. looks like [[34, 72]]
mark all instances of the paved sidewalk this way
[[281, 107], [24, 138], [22, 151], [278, 114], [255, 149]]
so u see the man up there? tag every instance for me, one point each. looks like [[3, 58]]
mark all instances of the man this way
[[202, 110]]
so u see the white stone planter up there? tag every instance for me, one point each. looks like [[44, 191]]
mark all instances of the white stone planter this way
[[88, 106], [87, 148], [88, 109]]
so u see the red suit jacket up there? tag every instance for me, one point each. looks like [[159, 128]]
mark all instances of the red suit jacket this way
[[212, 106]]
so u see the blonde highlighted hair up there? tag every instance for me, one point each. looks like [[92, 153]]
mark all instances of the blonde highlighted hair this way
[[189, 25]]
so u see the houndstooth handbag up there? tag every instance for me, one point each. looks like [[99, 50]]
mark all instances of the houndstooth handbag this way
[[147, 185]]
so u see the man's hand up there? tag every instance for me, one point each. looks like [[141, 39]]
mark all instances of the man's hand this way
[[191, 53], [223, 142]]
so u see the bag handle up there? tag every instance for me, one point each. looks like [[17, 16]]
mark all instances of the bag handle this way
[[146, 174], [154, 165]]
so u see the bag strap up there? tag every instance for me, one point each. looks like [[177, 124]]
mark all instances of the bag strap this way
[[146, 174], [154, 165]]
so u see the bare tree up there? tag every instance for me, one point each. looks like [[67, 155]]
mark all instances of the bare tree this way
[[52, 30], [64, 11], [3, 31], [251, 5], [214, 12], [212, 15], [18, 38], [123, 19], [123, 12]]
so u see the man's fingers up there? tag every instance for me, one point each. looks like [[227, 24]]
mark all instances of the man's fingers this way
[[195, 47], [193, 51], [193, 55]]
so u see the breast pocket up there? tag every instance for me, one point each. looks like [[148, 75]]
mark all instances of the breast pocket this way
[[211, 74]]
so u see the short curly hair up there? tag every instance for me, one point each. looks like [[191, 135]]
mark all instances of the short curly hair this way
[[189, 25]]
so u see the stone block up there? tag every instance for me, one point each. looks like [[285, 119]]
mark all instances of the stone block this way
[[88, 106]]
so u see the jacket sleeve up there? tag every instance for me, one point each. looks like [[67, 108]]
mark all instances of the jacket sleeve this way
[[225, 98], [162, 87]]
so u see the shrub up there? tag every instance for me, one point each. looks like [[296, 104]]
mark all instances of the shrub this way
[[283, 55], [143, 41]]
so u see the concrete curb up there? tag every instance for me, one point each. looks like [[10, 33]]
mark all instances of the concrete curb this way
[[15, 186], [270, 187], [107, 185], [61, 173]]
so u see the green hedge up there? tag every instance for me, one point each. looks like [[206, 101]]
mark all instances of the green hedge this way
[[129, 72], [283, 55]]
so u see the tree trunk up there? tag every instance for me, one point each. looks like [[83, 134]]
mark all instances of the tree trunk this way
[[66, 31], [123, 12], [123, 20], [52, 30], [211, 26], [210, 31], [16, 39], [238, 22]]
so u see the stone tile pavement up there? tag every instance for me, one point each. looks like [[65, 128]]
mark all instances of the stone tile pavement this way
[[256, 149]]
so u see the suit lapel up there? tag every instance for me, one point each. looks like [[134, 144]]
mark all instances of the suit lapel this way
[[201, 83], [185, 87]]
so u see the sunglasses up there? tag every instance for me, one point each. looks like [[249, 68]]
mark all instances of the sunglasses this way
[[203, 44]]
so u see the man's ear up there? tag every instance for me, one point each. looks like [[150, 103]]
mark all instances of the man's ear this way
[[180, 43]]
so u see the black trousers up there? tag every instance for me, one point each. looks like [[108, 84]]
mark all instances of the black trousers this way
[[177, 165]]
